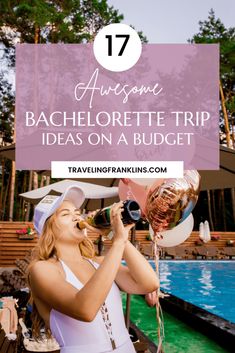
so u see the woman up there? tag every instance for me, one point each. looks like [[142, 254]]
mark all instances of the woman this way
[[75, 293]]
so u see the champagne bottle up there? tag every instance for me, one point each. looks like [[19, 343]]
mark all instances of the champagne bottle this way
[[131, 214]]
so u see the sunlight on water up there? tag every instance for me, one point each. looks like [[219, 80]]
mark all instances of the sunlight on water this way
[[207, 284]]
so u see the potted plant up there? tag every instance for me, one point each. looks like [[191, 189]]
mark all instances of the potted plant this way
[[148, 237], [215, 237], [25, 233], [199, 242], [229, 242], [96, 241]]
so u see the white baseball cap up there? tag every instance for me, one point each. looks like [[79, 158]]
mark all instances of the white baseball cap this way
[[49, 204]]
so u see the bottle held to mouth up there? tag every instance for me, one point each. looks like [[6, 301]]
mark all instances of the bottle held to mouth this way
[[131, 214]]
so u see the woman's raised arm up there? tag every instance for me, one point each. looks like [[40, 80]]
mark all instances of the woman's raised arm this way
[[48, 285]]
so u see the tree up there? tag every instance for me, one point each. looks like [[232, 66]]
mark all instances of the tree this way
[[59, 21], [213, 30], [6, 129], [6, 110], [42, 21]]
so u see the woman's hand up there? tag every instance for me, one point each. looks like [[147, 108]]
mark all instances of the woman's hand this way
[[120, 231]]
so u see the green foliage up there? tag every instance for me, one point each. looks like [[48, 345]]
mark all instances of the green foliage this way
[[148, 237], [6, 110], [70, 21], [213, 30], [45, 21]]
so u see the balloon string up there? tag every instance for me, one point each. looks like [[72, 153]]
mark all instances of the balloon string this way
[[159, 314]]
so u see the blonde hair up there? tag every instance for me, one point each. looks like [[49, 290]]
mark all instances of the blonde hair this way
[[45, 250]]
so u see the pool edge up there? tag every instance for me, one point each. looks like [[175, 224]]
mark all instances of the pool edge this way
[[216, 328]]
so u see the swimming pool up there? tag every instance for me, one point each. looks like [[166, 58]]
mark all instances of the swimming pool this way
[[207, 284]]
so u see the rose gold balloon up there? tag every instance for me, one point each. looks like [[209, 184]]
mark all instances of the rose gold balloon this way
[[171, 202]]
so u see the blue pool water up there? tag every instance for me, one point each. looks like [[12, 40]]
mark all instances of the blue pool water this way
[[207, 284]]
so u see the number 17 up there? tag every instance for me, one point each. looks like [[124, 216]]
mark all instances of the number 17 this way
[[110, 49]]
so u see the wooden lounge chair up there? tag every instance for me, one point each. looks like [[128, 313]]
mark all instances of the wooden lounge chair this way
[[201, 252], [147, 250], [213, 253], [181, 252], [229, 252], [208, 252], [190, 251], [171, 252]]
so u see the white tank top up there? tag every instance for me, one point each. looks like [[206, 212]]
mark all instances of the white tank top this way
[[106, 333]]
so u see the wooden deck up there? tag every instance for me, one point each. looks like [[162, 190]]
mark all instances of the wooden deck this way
[[12, 248]]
